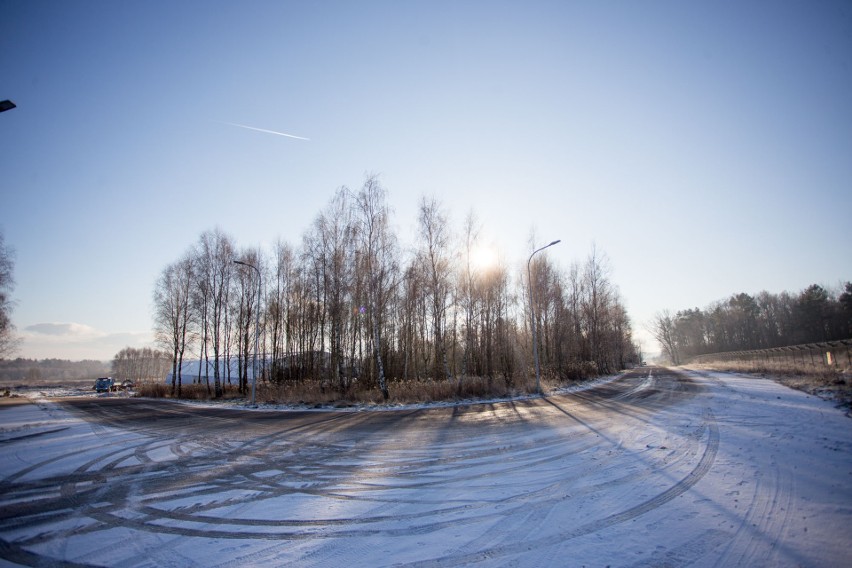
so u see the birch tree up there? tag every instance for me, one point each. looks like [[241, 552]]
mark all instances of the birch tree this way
[[597, 299], [377, 244], [174, 314], [215, 262], [434, 257], [332, 243], [278, 308], [467, 290]]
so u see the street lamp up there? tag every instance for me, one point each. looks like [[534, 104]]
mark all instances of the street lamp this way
[[6, 105], [256, 329], [534, 319]]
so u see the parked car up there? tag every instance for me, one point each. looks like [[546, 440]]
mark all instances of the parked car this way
[[104, 384]]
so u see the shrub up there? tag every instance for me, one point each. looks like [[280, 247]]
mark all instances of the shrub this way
[[154, 390], [187, 391]]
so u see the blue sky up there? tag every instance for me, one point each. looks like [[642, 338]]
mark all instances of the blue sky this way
[[703, 146]]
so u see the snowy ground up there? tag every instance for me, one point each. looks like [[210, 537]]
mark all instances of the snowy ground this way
[[646, 470]]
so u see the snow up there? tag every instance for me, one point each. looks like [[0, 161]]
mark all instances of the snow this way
[[46, 393], [745, 472]]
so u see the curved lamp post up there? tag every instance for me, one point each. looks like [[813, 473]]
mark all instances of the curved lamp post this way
[[534, 319], [256, 329]]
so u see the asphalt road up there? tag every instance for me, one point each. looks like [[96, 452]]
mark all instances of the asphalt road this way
[[186, 485]]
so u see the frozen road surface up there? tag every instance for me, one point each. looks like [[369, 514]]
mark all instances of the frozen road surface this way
[[653, 468]]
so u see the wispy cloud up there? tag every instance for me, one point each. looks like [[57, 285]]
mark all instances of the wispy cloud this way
[[77, 341], [264, 130], [63, 330]]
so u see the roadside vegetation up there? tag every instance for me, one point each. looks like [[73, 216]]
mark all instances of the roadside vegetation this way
[[320, 394], [351, 313], [743, 322], [829, 384], [799, 339]]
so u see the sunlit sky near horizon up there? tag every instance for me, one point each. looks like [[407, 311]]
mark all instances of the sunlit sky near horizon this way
[[704, 147]]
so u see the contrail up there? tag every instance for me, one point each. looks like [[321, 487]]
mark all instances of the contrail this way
[[267, 131]]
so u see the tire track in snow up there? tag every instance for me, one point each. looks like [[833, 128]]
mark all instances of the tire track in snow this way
[[191, 489], [700, 470]]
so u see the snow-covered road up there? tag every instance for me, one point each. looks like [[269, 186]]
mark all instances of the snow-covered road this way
[[651, 469]]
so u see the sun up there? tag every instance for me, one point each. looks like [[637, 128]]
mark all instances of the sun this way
[[483, 257]]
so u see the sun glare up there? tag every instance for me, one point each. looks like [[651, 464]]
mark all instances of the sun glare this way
[[483, 257]]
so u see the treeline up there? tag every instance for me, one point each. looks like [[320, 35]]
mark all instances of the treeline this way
[[143, 364], [32, 371], [744, 322], [128, 364], [8, 340], [349, 304]]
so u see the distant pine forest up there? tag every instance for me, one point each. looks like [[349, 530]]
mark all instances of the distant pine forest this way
[[34, 372]]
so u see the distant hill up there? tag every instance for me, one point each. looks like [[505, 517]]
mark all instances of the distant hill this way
[[31, 372]]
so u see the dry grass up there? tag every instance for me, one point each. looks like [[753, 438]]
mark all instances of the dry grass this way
[[436, 391], [314, 393], [321, 394], [187, 392], [317, 393]]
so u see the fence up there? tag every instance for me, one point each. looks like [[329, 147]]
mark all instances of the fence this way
[[827, 356]]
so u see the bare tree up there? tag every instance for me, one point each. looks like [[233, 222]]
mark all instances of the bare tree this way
[[574, 298], [434, 256], [411, 335], [279, 308], [174, 316], [585, 326], [619, 337], [314, 310], [8, 340], [595, 304], [662, 327], [245, 303], [140, 364], [377, 244], [215, 261], [493, 301], [545, 292], [335, 233], [341, 300], [467, 290]]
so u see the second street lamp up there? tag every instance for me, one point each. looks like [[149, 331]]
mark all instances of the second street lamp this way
[[256, 330], [534, 319]]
